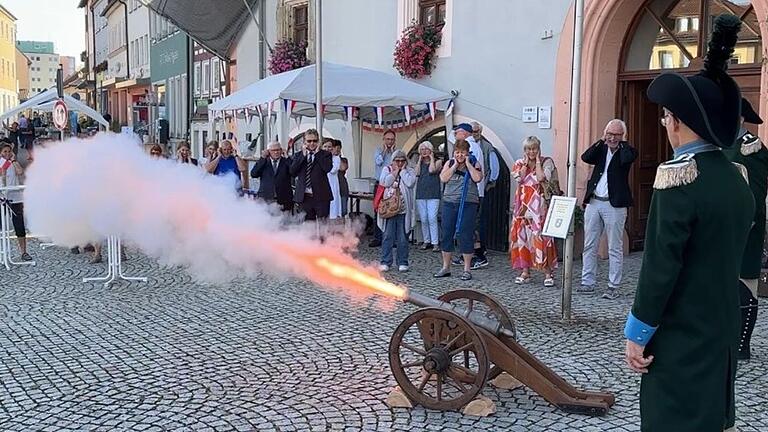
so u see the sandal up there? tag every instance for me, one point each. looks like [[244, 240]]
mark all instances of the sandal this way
[[522, 280], [442, 273], [465, 276], [549, 282]]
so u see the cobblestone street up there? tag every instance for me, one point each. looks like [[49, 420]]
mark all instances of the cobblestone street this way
[[284, 355]]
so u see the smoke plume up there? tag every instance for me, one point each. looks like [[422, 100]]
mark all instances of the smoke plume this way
[[82, 190]]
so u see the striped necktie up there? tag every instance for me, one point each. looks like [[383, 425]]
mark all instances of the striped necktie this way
[[308, 178]]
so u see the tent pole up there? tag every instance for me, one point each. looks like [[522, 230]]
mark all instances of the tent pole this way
[[573, 145], [319, 65]]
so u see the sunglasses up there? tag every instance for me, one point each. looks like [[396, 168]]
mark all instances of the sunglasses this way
[[399, 160], [313, 141]]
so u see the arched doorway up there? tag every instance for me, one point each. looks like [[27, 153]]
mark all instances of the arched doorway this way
[[497, 196], [672, 35]]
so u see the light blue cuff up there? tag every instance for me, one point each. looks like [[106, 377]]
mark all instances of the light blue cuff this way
[[638, 331]]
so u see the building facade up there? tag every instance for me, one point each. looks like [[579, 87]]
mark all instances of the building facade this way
[[170, 94], [68, 66], [23, 66], [117, 67], [513, 76], [45, 62], [9, 89], [208, 86]]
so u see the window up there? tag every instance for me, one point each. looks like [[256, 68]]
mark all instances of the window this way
[[666, 59], [197, 81], [301, 23], [206, 77], [432, 12], [675, 38], [215, 76]]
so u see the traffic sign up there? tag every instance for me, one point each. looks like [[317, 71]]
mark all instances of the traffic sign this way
[[60, 114]]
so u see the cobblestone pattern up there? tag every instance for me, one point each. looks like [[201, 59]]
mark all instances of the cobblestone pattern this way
[[267, 354]]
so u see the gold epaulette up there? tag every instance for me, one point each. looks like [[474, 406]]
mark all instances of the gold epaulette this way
[[743, 171], [679, 171], [750, 144]]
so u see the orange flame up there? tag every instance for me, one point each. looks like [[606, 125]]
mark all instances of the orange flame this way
[[361, 278]]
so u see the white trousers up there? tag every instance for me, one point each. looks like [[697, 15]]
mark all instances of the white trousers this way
[[599, 217], [427, 209]]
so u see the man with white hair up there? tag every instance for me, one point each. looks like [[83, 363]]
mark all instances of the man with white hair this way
[[274, 176], [607, 199]]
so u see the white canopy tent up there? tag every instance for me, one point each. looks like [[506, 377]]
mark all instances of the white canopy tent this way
[[365, 96], [46, 100]]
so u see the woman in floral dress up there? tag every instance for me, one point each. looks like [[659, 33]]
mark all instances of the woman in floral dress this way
[[528, 247]]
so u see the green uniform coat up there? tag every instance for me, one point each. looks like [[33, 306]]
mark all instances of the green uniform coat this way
[[757, 170], [688, 289]]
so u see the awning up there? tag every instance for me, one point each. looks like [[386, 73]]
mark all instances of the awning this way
[[46, 100], [214, 24]]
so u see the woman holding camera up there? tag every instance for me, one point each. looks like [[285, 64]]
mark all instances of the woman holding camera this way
[[460, 203], [528, 247]]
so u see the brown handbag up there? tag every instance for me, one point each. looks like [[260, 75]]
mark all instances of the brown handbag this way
[[394, 204]]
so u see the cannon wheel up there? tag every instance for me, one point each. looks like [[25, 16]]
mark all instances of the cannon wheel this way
[[439, 382], [468, 298]]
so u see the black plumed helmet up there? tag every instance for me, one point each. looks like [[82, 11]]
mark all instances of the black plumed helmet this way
[[749, 113], [710, 102]]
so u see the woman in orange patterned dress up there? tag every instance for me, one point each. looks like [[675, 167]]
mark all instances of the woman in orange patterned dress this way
[[528, 247]]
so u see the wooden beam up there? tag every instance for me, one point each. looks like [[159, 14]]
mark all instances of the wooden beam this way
[[741, 16], [669, 32]]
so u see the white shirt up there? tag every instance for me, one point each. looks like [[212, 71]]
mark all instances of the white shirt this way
[[11, 179], [602, 186], [477, 152]]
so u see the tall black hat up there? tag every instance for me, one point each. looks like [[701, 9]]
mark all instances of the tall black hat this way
[[710, 102], [749, 113]]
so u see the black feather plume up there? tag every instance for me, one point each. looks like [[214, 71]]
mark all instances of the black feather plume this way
[[724, 36]]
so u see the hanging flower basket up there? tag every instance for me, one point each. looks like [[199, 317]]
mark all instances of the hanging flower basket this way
[[415, 51], [288, 55]]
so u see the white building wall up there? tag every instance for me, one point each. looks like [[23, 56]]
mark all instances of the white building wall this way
[[102, 38], [116, 42], [42, 72], [138, 39]]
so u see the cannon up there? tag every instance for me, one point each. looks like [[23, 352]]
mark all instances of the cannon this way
[[443, 354]]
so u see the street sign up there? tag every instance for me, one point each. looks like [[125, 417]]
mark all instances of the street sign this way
[[60, 114]]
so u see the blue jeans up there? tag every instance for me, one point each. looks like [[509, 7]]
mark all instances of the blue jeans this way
[[466, 235], [394, 231]]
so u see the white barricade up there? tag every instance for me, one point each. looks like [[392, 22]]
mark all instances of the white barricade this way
[[6, 228], [114, 265]]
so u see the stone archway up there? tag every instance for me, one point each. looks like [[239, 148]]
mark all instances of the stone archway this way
[[606, 24]]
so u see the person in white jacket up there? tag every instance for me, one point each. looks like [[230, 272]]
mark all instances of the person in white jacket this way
[[333, 180], [396, 228]]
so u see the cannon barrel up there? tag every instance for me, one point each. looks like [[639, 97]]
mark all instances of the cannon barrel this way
[[477, 318]]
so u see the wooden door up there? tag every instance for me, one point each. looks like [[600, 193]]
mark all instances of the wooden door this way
[[647, 135]]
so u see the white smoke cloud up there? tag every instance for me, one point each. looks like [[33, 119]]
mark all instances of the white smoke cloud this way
[[82, 190]]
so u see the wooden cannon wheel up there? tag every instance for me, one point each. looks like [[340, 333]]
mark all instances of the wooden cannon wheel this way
[[469, 299], [422, 356]]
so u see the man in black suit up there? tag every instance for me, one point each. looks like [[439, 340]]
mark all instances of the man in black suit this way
[[311, 168], [607, 199], [273, 170]]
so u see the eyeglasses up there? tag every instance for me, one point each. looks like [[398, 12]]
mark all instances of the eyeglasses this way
[[613, 135], [400, 160], [475, 131], [665, 118]]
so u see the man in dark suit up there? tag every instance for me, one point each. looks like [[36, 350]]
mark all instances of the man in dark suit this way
[[273, 170], [607, 199], [311, 168]]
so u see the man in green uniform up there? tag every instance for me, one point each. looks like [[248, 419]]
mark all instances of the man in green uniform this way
[[681, 332], [750, 152]]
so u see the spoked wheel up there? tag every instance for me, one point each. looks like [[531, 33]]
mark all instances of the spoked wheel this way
[[475, 301], [427, 357]]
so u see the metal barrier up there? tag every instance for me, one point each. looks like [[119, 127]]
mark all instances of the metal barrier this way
[[6, 228], [114, 265]]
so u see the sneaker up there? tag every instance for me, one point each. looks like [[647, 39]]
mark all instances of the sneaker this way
[[425, 246], [611, 294], [26, 257], [458, 260], [402, 268], [383, 267], [478, 263], [436, 248], [75, 250], [374, 243], [585, 289]]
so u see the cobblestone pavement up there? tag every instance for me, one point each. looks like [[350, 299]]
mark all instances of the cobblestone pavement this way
[[283, 355]]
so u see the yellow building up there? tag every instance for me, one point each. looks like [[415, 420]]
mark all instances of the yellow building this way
[[9, 89]]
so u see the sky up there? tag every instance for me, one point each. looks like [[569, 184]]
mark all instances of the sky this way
[[57, 21]]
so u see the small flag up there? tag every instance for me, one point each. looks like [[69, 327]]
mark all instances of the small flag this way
[[4, 164], [258, 110], [432, 109], [289, 106], [449, 110], [350, 113], [379, 114], [407, 112]]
